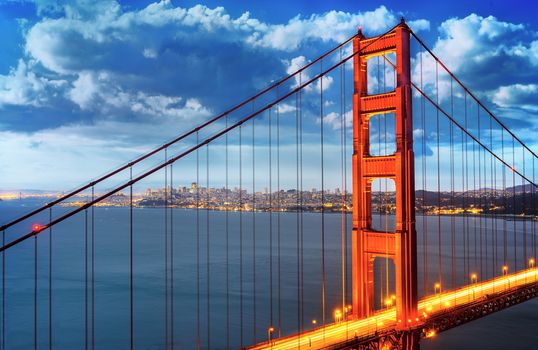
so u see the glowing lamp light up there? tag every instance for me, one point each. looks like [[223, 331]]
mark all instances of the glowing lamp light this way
[[430, 333], [36, 227], [531, 262], [474, 277], [314, 322], [505, 269]]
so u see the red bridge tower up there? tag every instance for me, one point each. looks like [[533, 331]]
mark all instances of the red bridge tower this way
[[367, 244]]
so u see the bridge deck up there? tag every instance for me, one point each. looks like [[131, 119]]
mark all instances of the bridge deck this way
[[384, 320]]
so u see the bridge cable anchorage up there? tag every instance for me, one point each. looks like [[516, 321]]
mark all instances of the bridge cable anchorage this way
[[190, 150]]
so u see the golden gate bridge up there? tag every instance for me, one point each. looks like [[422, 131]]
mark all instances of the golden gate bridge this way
[[428, 246]]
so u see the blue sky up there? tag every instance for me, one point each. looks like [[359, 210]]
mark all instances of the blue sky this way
[[106, 81]]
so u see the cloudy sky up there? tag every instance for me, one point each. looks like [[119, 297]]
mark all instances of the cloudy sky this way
[[107, 80]]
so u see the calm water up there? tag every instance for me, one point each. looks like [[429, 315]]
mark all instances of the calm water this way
[[111, 266]]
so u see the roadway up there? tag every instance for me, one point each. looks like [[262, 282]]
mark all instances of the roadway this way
[[323, 336]]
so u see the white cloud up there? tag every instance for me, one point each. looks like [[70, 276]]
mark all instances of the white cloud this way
[[332, 26], [84, 89], [517, 96], [24, 87], [477, 49], [335, 120], [419, 25]]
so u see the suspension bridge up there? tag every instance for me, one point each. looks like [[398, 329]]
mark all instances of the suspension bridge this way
[[366, 201]]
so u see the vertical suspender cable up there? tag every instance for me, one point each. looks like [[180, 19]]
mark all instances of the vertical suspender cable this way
[[166, 251], [208, 258], [35, 292], [50, 279], [505, 202], [253, 230], [345, 180], [493, 180], [85, 278], [278, 215], [342, 162], [423, 168], [93, 270], [198, 340], [3, 291], [534, 240], [226, 199], [439, 258], [452, 179], [385, 153], [524, 211], [270, 220], [514, 201], [322, 199], [171, 256], [465, 199], [241, 233], [301, 196], [131, 328], [479, 190], [297, 216], [475, 266]]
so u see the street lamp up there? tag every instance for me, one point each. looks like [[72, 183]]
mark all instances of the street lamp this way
[[531, 263], [388, 303], [437, 287], [505, 273], [337, 315], [270, 331], [474, 280], [314, 322]]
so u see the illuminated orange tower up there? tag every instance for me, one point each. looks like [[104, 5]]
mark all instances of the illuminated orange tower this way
[[367, 244]]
